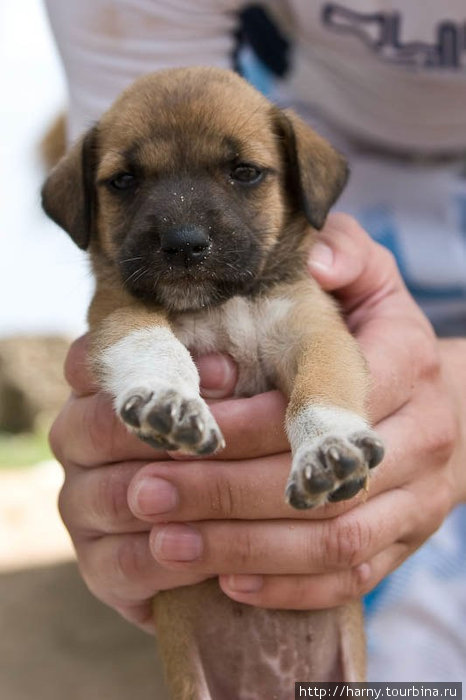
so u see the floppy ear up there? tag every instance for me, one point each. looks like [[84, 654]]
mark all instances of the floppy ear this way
[[68, 194], [317, 173]]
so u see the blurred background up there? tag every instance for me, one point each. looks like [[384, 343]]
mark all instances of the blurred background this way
[[56, 641]]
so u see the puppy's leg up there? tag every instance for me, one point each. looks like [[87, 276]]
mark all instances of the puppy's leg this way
[[214, 648], [325, 376], [152, 378]]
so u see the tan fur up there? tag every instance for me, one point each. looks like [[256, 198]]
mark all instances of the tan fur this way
[[330, 367], [113, 315], [53, 144], [180, 128]]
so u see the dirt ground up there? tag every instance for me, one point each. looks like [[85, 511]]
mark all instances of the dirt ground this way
[[56, 641]]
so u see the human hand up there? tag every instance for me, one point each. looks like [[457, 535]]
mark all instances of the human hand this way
[[418, 403], [100, 457], [296, 560]]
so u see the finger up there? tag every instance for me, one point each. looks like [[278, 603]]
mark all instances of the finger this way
[[395, 337], [220, 490], [400, 356], [252, 427], [318, 591], [120, 570], [218, 374], [277, 547], [415, 449], [346, 260], [94, 502], [254, 489], [77, 368], [87, 432]]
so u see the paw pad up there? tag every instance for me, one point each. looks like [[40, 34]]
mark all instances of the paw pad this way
[[167, 420], [333, 468]]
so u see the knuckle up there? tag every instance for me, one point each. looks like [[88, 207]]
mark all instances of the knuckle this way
[[441, 438], [351, 586], [346, 228], [382, 260], [427, 355], [444, 504], [386, 257], [76, 515], [95, 424], [346, 541], [100, 427], [360, 582], [71, 368], [439, 508], [62, 504], [345, 223], [75, 367], [93, 579], [222, 497], [94, 567], [129, 562], [447, 437], [243, 548], [55, 437], [111, 497], [384, 263], [104, 567], [351, 591]]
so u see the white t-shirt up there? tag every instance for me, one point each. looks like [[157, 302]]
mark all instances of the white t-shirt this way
[[393, 72]]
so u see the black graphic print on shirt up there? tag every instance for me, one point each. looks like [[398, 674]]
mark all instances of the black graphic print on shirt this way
[[383, 33]]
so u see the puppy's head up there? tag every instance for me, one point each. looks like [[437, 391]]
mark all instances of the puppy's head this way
[[187, 187]]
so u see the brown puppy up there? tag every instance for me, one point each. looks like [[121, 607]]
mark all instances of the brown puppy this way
[[197, 200]]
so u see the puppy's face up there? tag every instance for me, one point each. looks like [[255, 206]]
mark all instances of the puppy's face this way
[[186, 188]]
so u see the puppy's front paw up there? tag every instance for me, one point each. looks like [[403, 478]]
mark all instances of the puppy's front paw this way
[[168, 421], [333, 468]]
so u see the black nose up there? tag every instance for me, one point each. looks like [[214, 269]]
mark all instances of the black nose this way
[[185, 245]]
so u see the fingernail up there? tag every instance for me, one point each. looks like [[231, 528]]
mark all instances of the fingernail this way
[[178, 542], [154, 496], [245, 583], [321, 256], [216, 375]]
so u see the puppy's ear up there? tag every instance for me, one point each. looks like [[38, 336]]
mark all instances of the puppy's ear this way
[[316, 172], [68, 194]]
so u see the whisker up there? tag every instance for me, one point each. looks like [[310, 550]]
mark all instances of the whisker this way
[[137, 274], [143, 272], [157, 277], [138, 257]]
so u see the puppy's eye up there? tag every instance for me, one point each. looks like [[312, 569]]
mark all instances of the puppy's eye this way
[[247, 174], [123, 181]]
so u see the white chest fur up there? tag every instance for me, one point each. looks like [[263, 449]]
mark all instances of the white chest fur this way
[[246, 329]]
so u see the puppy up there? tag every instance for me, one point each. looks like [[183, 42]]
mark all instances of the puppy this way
[[198, 201]]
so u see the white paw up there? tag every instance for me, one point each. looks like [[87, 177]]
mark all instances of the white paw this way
[[167, 420], [332, 468]]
